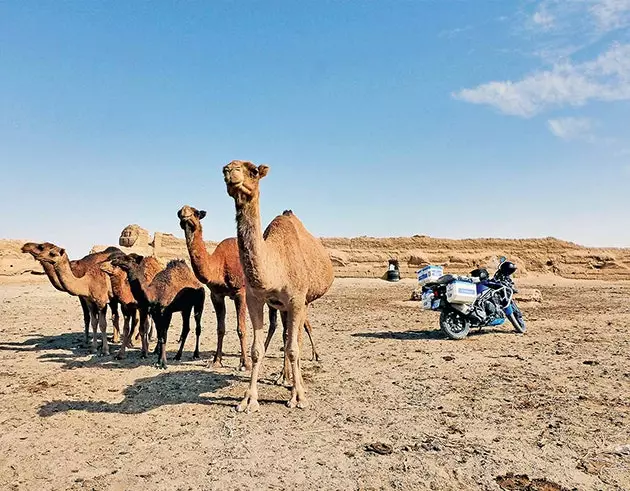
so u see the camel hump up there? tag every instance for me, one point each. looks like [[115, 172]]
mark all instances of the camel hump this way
[[176, 263], [287, 213]]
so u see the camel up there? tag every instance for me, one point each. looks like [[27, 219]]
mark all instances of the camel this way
[[79, 267], [149, 267], [94, 285], [285, 267], [174, 289], [128, 304], [222, 273]]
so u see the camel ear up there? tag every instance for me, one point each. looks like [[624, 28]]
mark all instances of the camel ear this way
[[62, 252], [262, 171], [179, 214], [201, 214]]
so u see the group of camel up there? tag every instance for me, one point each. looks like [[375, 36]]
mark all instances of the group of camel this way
[[284, 267]]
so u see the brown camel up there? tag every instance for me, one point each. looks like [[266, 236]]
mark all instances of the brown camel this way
[[79, 267], [93, 285], [149, 268], [128, 304], [222, 273], [285, 267], [174, 289]]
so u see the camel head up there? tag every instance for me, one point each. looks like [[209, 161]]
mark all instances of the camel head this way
[[36, 250], [241, 179], [108, 268], [53, 255], [190, 218], [128, 262]]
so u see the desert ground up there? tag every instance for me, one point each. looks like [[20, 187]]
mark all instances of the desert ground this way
[[393, 405]]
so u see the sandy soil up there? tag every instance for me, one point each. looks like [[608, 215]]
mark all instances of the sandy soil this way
[[553, 405]]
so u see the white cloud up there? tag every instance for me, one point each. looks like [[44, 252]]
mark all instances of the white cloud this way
[[606, 78], [611, 14], [543, 18], [570, 128]]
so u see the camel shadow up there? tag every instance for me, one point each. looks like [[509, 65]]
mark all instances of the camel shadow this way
[[66, 341], [166, 389]]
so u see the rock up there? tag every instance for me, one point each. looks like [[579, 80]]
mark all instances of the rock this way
[[528, 295]]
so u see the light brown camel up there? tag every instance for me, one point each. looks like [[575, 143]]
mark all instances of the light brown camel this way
[[285, 267], [93, 285], [149, 267], [174, 289], [79, 267], [222, 273]]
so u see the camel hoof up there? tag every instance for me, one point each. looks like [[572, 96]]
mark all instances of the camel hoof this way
[[248, 406], [144, 355], [293, 403], [196, 355], [121, 356], [217, 364], [178, 357], [161, 366]]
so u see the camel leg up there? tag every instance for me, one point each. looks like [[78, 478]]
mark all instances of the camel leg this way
[[198, 309], [102, 324], [143, 331], [296, 317], [94, 322], [86, 318], [273, 324], [285, 375], [219, 308], [162, 331], [184, 334], [314, 353], [135, 315], [250, 401], [241, 329], [122, 352], [151, 330], [115, 321]]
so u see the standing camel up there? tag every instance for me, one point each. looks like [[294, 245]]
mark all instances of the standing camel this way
[[79, 267], [148, 268], [222, 273], [93, 285], [285, 267], [174, 289]]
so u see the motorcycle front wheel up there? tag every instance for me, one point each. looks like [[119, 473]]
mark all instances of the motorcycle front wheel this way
[[516, 318], [454, 325]]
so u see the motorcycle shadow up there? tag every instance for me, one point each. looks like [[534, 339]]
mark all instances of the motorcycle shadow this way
[[435, 335]]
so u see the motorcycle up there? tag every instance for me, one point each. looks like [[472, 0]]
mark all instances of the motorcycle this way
[[465, 302]]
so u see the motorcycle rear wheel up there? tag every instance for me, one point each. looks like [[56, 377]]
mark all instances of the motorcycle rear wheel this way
[[454, 325], [516, 318]]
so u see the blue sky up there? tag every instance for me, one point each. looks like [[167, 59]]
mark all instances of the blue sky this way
[[390, 118]]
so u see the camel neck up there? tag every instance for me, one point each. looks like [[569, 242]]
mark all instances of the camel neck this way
[[49, 269], [140, 289], [251, 243], [205, 265], [69, 282]]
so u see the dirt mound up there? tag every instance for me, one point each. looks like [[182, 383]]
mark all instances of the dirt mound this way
[[368, 256]]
